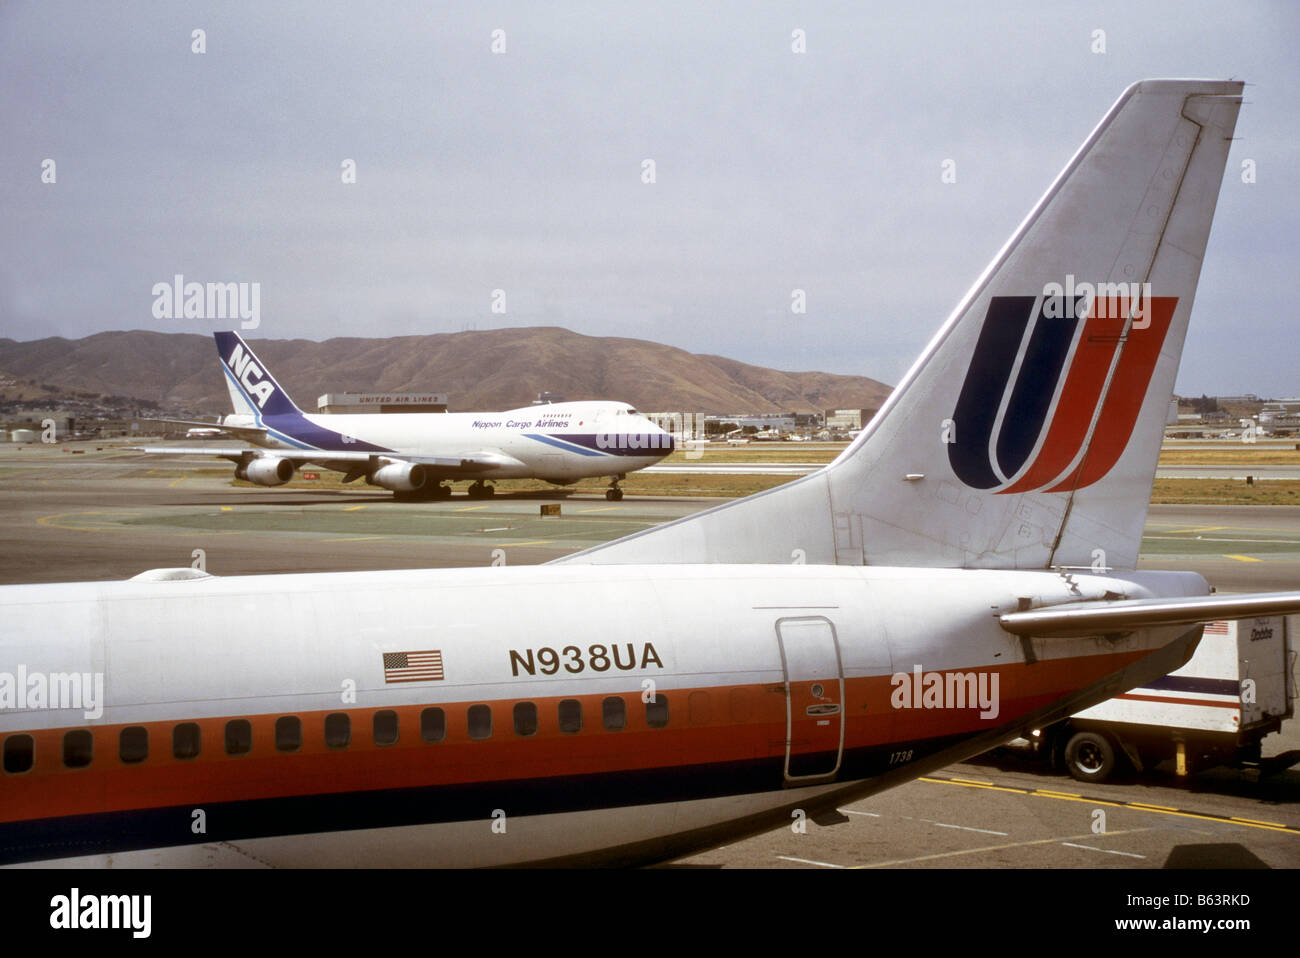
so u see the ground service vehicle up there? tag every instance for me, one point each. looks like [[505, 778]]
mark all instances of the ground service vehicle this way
[[1215, 710]]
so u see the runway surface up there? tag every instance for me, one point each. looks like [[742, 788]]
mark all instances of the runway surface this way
[[66, 518]]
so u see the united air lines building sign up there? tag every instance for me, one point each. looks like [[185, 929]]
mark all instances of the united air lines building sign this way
[[382, 402]]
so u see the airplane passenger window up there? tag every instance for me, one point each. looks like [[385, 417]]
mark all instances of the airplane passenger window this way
[[288, 733], [613, 713], [699, 707], [656, 712], [133, 744], [570, 716], [739, 705], [433, 725], [338, 730], [186, 740], [525, 718], [385, 727], [19, 752], [239, 737], [78, 748], [480, 721]]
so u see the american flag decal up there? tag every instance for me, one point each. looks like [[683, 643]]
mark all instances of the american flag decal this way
[[413, 666]]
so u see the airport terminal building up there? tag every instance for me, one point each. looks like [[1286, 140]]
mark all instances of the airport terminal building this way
[[381, 402]]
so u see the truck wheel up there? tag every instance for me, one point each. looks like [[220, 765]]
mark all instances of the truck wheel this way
[[1090, 757]]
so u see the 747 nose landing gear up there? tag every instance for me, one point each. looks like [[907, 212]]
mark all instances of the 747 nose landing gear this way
[[614, 493]]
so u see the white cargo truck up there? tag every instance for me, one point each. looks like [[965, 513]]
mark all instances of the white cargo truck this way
[[1215, 710]]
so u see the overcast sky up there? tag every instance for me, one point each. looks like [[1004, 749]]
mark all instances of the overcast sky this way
[[523, 170]]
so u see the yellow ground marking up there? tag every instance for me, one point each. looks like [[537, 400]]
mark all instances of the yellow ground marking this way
[[1256, 821], [353, 508], [990, 787], [1165, 526], [469, 509], [972, 781], [995, 848], [1052, 793], [535, 542], [601, 509], [353, 539], [1174, 532], [111, 525], [1136, 806], [175, 482], [1242, 558], [227, 508]]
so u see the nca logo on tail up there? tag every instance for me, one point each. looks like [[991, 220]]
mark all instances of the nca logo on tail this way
[[249, 375], [1050, 380]]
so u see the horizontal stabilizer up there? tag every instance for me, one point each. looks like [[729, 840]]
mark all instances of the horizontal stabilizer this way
[[239, 432], [475, 460], [1101, 618]]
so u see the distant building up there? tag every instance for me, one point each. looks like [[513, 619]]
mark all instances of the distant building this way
[[681, 425], [1281, 418], [760, 422], [382, 402], [846, 419]]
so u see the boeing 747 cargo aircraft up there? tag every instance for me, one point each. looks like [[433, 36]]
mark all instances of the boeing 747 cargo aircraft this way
[[417, 454]]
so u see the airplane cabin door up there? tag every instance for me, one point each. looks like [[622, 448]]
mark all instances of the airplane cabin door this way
[[814, 699]]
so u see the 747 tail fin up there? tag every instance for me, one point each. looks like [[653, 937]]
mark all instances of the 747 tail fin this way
[[253, 390]]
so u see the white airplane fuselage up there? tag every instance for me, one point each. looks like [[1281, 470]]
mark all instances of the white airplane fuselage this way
[[710, 701], [561, 441]]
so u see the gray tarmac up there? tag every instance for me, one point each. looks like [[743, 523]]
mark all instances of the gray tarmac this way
[[111, 515]]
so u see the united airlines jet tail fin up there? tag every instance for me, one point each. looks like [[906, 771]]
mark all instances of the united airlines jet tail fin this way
[[253, 389], [1026, 435]]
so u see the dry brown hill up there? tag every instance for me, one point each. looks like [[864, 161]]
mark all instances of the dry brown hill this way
[[489, 369]]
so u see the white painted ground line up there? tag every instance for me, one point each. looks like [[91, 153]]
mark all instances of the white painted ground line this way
[[967, 828], [1108, 851], [809, 861]]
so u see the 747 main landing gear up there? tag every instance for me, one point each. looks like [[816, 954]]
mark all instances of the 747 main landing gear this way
[[614, 493], [481, 490]]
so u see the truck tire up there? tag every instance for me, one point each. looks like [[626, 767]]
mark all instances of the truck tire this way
[[1090, 757]]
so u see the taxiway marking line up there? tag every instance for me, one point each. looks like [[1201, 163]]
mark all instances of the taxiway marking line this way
[[969, 784], [1256, 821], [1108, 851], [1243, 558], [354, 539], [1136, 806], [966, 828], [809, 861], [991, 848]]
